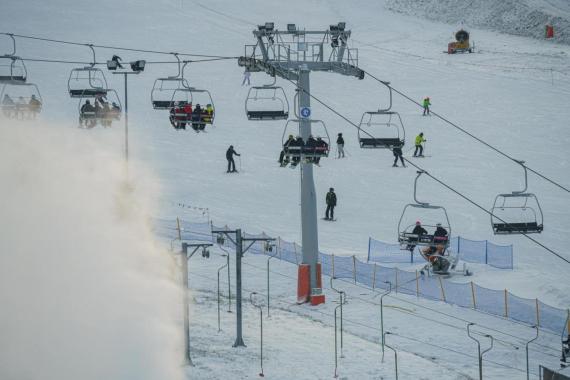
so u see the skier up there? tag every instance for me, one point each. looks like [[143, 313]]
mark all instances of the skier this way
[[418, 230], [331, 204], [246, 76], [426, 104], [340, 145], [398, 154], [230, 157], [419, 141]]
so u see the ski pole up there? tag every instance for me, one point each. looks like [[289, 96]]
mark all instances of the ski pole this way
[[239, 163]]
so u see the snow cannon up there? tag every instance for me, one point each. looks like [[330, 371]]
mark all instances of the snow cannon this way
[[461, 43]]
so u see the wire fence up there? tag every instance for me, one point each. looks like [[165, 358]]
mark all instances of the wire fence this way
[[468, 295], [471, 251]]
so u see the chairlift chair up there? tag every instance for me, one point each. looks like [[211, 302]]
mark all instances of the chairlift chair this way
[[518, 212], [381, 130], [429, 215], [314, 149], [90, 118], [87, 82], [267, 102], [24, 99], [164, 91], [12, 69]]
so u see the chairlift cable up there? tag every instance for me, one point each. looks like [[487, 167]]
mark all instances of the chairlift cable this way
[[470, 134], [438, 180], [111, 47]]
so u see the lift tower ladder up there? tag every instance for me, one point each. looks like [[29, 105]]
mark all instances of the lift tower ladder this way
[[293, 54]]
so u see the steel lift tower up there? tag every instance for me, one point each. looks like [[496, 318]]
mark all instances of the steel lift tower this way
[[293, 54]]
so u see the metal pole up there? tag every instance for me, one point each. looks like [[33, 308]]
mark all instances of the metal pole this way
[[309, 230], [529, 342], [219, 295], [395, 352], [126, 119], [270, 257], [382, 312], [184, 267], [229, 286], [479, 357], [342, 300], [260, 329], [239, 247]]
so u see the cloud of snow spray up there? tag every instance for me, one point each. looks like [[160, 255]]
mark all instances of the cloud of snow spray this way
[[85, 293]]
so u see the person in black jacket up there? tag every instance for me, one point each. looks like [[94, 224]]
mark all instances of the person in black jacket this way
[[418, 230], [398, 154], [340, 145], [331, 204], [230, 157]]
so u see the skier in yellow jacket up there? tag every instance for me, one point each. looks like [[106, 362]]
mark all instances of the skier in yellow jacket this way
[[419, 141]]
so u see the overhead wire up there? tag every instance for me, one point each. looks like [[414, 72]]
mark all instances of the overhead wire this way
[[455, 125], [374, 328], [431, 176], [110, 47]]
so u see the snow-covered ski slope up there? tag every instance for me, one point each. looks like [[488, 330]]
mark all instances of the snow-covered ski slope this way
[[513, 94]]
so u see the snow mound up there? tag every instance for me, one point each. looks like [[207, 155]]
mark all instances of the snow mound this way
[[520, 17]]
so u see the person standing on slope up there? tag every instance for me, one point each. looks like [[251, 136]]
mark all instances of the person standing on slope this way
[[230, 157], [419, 147], [340, 145], [331, 204], [398, 154], [426, 104]]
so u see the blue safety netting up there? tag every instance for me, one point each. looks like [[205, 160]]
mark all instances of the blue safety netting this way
[[490, 301], [343, 267], [429, 287], [407, 282], [521, 309], [552, 318], [458, 294], [364, 273], [326, 264], [471, 251]]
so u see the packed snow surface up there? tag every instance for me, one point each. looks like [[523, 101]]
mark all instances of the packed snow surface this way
[[513, 94]]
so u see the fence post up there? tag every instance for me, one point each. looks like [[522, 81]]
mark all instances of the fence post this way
[[473, 296], [374, 277], [442, 290], [506, 304], [332, 265], [537, 314], [368, 258], [396, 279], [354, 268], [417, 284], [486, 252]]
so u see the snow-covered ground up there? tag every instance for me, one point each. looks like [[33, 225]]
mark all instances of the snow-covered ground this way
[[519, 17], [513, 94]]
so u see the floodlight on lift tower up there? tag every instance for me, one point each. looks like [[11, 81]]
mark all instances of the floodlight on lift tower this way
[[293, 54]]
